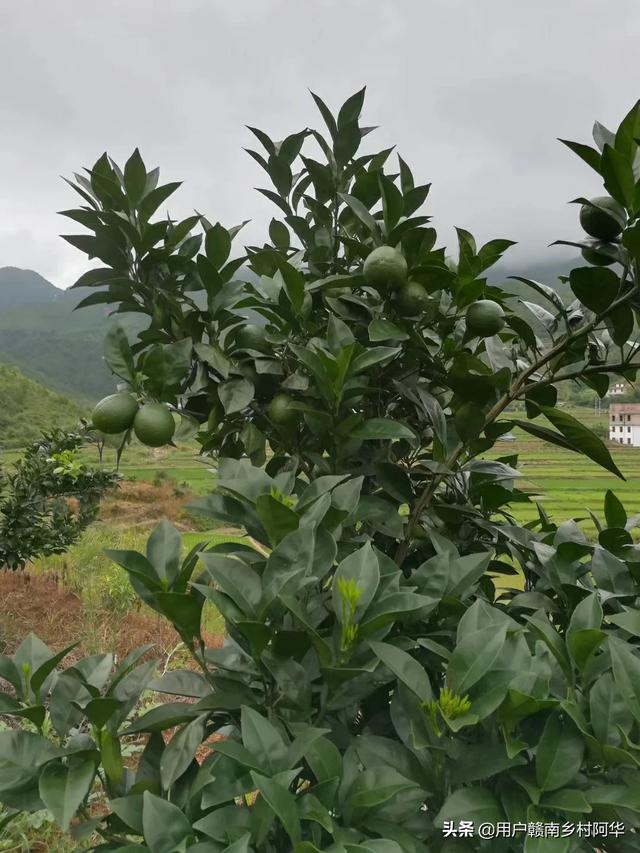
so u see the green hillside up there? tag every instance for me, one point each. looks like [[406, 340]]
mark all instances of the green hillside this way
[[28, 408], [47, 340]]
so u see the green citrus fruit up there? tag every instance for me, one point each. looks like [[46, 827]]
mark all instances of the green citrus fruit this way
[[115, 414], [596, 259], [485, 318], [451, 264], [385, 267], [281, 411], [154, 425], [599, 222], [412, 299], [252, 337]]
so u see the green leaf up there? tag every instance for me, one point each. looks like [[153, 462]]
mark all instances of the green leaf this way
[[180, 751], [382, 428], [165, 826], [619, 796], [372, 356], [626, 672], [111, 756], [279, 234], [118, 355], [405, 668], [263, 741], [587, 614], [42, 672], [566, 800], [163, 552], [376, 786], [392, 202], [362, 567], [395, 481], [590, 155], [236, 579], [559, 754], [614, 511], [582, 644], [474, 804], [363, 215], [385, 330], [618, 176], [277, 519], [351, 109], [595, 287], [581, 438], [152, 200], [293, 282], [620, 323], [474, 656], [235, 395], [608, 711], [288, 563], [326, 115], [135, 177], [63, 788], [628, 620], [281, 802], [213, 355]]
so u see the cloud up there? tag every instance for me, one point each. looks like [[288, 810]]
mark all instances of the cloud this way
[[473, 94]]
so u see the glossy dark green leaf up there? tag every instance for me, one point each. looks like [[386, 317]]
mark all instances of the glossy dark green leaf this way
[[405, 668], [165, 826], [595, 287], [474, 803], [135, 177], [581, 438], [281, 802], [618, 176], [382, 428], [117, 353], [180, 751], [64, 787], [559, 754], [235, 395]]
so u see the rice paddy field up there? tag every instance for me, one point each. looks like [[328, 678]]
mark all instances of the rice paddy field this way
[[567, 484]]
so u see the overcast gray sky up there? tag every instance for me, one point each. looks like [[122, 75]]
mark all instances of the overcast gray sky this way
[[473, 92]]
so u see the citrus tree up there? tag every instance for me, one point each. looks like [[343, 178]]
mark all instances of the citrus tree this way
[[377, 690], [47, 499]]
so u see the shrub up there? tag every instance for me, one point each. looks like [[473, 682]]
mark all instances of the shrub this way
[[48, 500], [375, 691]]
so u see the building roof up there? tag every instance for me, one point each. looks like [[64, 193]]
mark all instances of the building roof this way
[[625, 408]]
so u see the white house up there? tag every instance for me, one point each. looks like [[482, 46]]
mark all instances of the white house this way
[[624, 423], [617, 389]]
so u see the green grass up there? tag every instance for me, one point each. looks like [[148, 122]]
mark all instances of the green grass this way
[[567, 484]]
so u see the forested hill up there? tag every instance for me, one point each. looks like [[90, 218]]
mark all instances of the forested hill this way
[[42, 335], [28, 408]]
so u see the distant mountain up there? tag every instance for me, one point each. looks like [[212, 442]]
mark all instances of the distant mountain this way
[[546, 272], [28, 409], [42, 335], [24, 287]]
